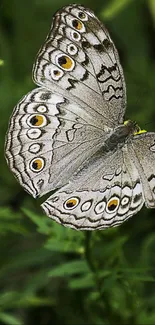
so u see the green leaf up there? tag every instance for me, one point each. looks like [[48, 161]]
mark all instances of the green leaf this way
[[9, 319], [64, 245], [10, 222], [151, 4], [1, 62], [35, 283], [143, 278], [114, 8], [146, 317], [26, 259], [23, 298], [83, 282], [29, 301], [105, 273], [70, 268], [43, 223], [7, 297]]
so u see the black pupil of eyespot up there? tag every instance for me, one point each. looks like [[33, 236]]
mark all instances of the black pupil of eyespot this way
[[112, 207], [72, 48], [35, 165], [34, 120], [70, 204], [75, 23], [62, 60], [56, 72]]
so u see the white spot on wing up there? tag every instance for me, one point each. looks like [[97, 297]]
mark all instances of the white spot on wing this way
[[34, 148], [34, 133], [100, 207], [86, 205]]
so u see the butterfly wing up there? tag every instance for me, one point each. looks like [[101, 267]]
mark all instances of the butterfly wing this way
[[79, 60], [49, 137], [142, 149], [54, 129], [104, 193]]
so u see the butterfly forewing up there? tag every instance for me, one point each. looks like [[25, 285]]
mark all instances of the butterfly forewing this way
[[92, 74], [48, 140]]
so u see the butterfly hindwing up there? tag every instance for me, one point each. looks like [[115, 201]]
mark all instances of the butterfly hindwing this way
[[100, 197], [142, 149]]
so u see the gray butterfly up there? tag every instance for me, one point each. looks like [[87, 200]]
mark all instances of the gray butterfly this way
[[68, 134]]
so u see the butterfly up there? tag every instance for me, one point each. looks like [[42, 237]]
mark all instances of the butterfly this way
[[68, 135]]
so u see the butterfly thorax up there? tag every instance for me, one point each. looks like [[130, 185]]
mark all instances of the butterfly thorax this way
[[121, 134]]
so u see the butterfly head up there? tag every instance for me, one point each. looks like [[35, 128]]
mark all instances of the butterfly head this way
[[133, 127]]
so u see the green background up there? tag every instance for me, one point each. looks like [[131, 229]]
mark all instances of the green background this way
[[50, 274]]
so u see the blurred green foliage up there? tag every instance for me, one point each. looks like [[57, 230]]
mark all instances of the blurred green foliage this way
[[50, 274]]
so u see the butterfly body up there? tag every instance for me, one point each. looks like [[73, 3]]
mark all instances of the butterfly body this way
[[68, 134], [120, 135]]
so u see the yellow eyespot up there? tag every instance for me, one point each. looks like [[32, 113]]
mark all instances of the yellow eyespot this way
[[36, 120], [112, 204], [37, 164], [71, 203], [65, 62], [77, 24]]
